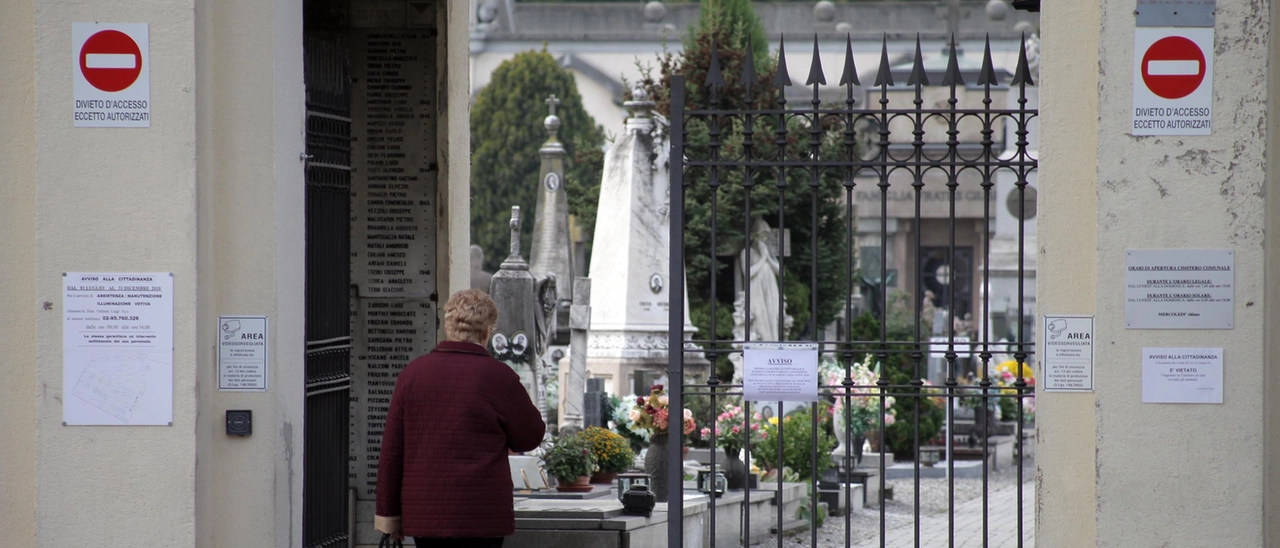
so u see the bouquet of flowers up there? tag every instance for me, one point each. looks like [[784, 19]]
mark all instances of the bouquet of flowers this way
[[863, 413], [731, 429], [651, 414], [611, 451]]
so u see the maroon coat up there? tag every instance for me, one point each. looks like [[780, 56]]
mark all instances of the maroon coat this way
[[443, 467]]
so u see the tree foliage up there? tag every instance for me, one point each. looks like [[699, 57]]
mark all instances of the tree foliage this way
[[807, 202], [506, 133]]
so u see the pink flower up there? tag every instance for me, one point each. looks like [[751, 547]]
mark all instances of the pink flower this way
[[660, 419], [706, 432], [735, 429], [737, 409], [889, 419]]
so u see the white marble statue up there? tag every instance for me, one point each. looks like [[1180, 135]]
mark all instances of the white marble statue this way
[[761, 278]]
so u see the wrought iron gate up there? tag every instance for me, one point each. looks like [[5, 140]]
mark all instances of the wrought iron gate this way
[[328, 280], [929, 156]]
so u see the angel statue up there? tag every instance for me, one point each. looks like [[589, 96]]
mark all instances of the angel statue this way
[[767, 305]]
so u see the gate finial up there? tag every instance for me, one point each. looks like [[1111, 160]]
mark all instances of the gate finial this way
[[988, 75], [783, 76], [918, 75], [816, 77], [715, 79], [953, 77], [749, 77], [885, 76], [1023, 73], [850, 75]]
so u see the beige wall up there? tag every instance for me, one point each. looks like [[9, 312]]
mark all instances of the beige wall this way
[[250, 117], [454, 258], [212, 192], [1271, 323], [17, 275], [115, 200], [1066, 282], [1115, 472]]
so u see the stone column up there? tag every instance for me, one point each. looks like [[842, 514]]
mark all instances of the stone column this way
[[576, 379]]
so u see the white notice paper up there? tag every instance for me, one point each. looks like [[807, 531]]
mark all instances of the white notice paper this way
[[780, 371], [1181, 375], [242, 353], [1179, 289], [117, 349], [1068, 354]]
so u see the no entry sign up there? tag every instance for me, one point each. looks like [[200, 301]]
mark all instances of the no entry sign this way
[[1173, 81], [111, 81]]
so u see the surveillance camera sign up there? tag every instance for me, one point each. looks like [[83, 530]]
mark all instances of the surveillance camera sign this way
[[1068, 354], [111, 80]]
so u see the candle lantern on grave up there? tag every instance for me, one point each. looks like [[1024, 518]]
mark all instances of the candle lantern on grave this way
[[526, 318]]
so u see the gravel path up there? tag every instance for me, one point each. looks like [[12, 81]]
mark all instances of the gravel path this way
[[900, 516]]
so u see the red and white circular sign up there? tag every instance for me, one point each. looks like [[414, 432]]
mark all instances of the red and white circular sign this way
[[110, 61], [1173, 67]]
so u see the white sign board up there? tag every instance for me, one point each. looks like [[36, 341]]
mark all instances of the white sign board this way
[[1068, 354], [1172, 81], [111, 81], [780, 371], [1179, 289], [117, 349], [242, 353], [1181, 375]]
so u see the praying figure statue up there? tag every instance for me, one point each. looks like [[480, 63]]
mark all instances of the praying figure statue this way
[[767, 306]]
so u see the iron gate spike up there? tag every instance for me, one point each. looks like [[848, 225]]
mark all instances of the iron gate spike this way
[[714, 78], [783, 76], [953, 77], [987, 77], [918, 76], [815, 68], [850, 75], [885, 76], [748, 77], [1023, 73]]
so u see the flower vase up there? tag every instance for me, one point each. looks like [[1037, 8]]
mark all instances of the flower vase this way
[[842, 448], [981, 418], [656, 465], [873, 440], [735, 471]]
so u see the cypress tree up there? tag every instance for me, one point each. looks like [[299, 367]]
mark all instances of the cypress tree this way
[[506, 133]]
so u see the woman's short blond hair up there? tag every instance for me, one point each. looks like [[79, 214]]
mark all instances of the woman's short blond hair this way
[[468, 316]]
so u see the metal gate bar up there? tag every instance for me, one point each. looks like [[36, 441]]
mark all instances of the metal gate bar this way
[[692, 163], [325, 511]]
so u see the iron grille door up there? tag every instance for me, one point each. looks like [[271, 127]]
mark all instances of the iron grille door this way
[[328, 278], [742, 156]]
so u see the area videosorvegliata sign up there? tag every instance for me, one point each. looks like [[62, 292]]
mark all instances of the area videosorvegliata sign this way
[[1173, 81], [111, 80]]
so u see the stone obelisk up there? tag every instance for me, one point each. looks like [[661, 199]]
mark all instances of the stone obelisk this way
[[629, 260], [552, 251]]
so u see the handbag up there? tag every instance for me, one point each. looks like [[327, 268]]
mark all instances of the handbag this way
[[387, 542]]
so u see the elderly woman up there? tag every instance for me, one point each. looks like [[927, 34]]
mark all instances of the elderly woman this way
[[456, 414]]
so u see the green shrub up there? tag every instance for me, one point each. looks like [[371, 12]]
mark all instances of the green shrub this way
[[569, 458], [797, 443]]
